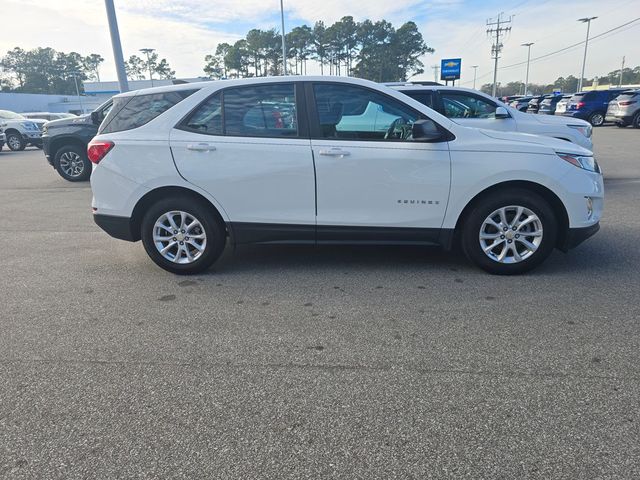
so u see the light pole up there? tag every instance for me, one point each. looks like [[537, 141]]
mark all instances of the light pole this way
[[284, 48], [586, 20], [526, 81], [75, 80], [123, 84], [475, 71], [148, 52]]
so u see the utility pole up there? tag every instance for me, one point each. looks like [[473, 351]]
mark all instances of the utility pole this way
[[123, 84], [148, 52], [436, 69], [526, 81], [475, 71], [498, 29], [75, 80], [586, 20], [284, 48], [621, 70]]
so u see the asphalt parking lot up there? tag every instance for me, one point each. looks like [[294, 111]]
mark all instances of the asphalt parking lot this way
[[302, 362]]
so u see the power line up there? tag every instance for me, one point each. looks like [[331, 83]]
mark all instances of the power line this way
[[564, 49]]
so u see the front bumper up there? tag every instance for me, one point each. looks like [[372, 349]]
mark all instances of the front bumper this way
[[575, 236], [46, 142], [117, 227]]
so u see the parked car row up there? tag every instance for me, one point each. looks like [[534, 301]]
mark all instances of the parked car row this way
[[19, 130], [189, 168], [616, 105]]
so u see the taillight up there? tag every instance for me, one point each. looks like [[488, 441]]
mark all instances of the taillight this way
[[580, 105], [97, 149], [627, 103]]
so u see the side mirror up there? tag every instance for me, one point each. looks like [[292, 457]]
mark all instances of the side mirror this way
[[501, 112], [425, 130], [95, 118]]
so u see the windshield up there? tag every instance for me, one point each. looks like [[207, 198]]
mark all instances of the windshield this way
[[7, 115]]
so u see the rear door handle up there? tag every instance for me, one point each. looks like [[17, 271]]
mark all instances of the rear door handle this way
[[334, 152], [201, 147]]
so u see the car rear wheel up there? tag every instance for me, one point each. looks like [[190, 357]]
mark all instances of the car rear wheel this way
[[621, 125], [182, 236], [596, 119], [72, 164], [510, 232], [636, 120], [16, 142]]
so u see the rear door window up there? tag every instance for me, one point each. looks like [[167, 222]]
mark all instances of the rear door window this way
[[260, 111], [134, 111]]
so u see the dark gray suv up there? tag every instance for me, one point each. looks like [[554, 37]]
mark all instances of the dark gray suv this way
[[625, 109]]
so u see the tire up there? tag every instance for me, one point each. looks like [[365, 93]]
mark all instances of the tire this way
[[208, 225], [596, 119], [72, 164], [476, 223], [16, 142], [636, 121], [621, 125]]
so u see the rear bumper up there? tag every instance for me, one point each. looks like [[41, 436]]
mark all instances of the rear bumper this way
[[576, 236], [619, 118], [577, 114], [117, 227]]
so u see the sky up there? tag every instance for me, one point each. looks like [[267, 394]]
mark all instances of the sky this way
[[184, 31]]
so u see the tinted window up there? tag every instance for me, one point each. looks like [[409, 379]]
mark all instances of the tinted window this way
[[261, 111], [134, 111], [466, 105], [207, 117], [358, 113], [425, 98]]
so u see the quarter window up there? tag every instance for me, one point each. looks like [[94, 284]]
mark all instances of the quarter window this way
[[463, 105], [261, 111], [134, 111], [356, 113]]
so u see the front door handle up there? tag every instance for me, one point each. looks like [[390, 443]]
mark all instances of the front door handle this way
[[201, 147], [334, 152]]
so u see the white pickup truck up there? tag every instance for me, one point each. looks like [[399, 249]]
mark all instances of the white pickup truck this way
[[20, 131]]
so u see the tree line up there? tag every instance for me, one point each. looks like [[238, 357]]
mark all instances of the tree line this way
[[630, 76], [45, 70], [373, 50]]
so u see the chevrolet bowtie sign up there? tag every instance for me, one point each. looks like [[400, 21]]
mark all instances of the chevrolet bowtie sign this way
[[450, 68]]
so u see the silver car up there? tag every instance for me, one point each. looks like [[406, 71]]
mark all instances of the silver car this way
[[625, 109]]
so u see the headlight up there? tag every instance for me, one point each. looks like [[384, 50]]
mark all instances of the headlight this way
[[586, 130], [580, 161]]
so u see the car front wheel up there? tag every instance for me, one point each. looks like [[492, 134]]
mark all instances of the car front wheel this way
[[16, 142], [182, 236], [72, 164], [509, 232]]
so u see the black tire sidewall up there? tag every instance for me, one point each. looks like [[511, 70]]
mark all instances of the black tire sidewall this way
[[23, 143], [636, 121], [213, 228], [481, 210], [86, 172]]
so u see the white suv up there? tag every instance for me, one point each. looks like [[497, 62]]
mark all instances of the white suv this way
[[472, 108], [317, 160], [21, 131]]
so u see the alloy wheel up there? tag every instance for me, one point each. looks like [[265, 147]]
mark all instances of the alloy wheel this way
[[13, 142], [597, 119], [511, 234], [71, 164], [179, 237]]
